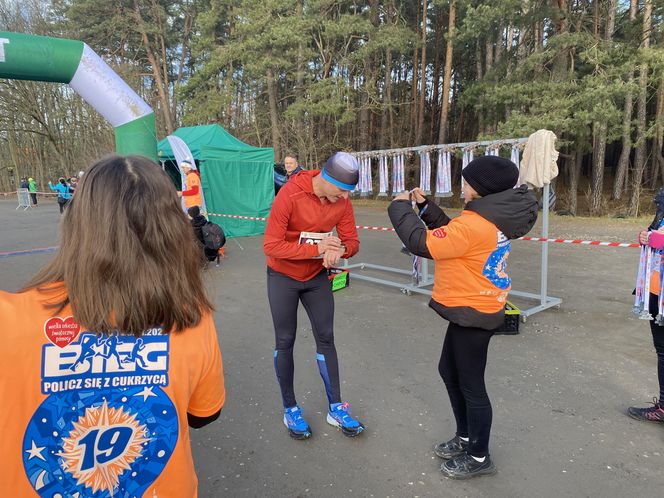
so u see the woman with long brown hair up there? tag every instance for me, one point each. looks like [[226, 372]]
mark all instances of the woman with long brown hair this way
[[110, 350]]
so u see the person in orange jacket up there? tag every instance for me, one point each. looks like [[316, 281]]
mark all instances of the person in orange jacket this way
[[192, 194], [299, 247], [114, 353], [471, 285]]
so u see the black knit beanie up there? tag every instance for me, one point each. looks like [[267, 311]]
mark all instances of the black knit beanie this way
[[490, 174], [194, 211]]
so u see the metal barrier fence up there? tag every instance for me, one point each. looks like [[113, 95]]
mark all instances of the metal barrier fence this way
[[23, 195]]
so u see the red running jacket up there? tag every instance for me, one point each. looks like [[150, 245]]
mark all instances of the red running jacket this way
[[297, 209]]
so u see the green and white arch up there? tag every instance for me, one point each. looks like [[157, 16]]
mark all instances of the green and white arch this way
[[41, 58]]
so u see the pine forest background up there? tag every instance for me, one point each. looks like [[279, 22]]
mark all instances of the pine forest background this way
[[315, 76]]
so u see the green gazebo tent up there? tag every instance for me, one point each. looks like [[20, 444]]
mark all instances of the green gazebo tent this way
[[237, 179]]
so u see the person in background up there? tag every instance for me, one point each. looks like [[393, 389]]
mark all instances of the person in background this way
[[291, 168], [24, 183], [654, 413], [32, 188], [114, 353], [291, 165], [213, 250], [192, 193], [64, 193]]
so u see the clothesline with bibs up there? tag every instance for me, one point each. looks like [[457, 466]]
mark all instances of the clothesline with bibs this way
[[390, 165]]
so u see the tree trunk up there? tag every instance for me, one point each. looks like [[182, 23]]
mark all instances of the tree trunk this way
[[658, 156], [298, 122], [499, 44], [560, 64], [229, 85], [509, 41], [611, 19], [387, 120], [423, 75], [413, 94], [299, 77], [521, 50], [433, 129], [539, 35], [156, 70], [447, 77], [620, 179], [640, 154], [274, 113], [364, 109], [188, 22], [575, 171], [599, 152], [597, 184]]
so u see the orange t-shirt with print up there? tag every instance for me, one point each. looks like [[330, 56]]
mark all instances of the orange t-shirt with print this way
[[470, 255], [87, 415]]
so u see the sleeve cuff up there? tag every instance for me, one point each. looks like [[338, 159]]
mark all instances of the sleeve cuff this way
[[210, 411]]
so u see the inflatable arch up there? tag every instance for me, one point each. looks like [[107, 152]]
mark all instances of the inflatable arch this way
[[41, 58]]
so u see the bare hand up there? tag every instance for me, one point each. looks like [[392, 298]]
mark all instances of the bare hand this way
[[330, 242], [403, 196], [643, 237], [418, 195], [332, 257]]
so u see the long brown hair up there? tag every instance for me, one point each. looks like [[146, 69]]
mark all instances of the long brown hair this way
[[128, 258]]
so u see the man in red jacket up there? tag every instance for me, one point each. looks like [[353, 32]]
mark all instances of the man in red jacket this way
[[299, 246]]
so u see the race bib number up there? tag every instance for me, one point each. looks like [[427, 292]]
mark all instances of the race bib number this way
[[107, 428], [313, 238]]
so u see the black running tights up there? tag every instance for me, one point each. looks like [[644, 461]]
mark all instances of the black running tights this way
[[284, 295], [462, 364]]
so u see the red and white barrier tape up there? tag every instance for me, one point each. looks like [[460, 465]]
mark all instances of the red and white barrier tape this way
[[532, 239], [380, 229], [238, 217], [582, 242]]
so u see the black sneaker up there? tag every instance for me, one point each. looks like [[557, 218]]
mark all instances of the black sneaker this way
[[653, 414], [466, 467], [452, 448]]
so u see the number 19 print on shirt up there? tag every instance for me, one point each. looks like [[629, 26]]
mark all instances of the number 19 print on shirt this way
[[106, 429]]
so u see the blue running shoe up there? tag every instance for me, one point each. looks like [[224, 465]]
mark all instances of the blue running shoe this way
[[339, 416], [296, 425]]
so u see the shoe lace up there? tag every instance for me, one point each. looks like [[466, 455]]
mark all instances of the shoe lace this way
[[343, 411], [457, 443], [464, 461], [656, 412], [296, 416]]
